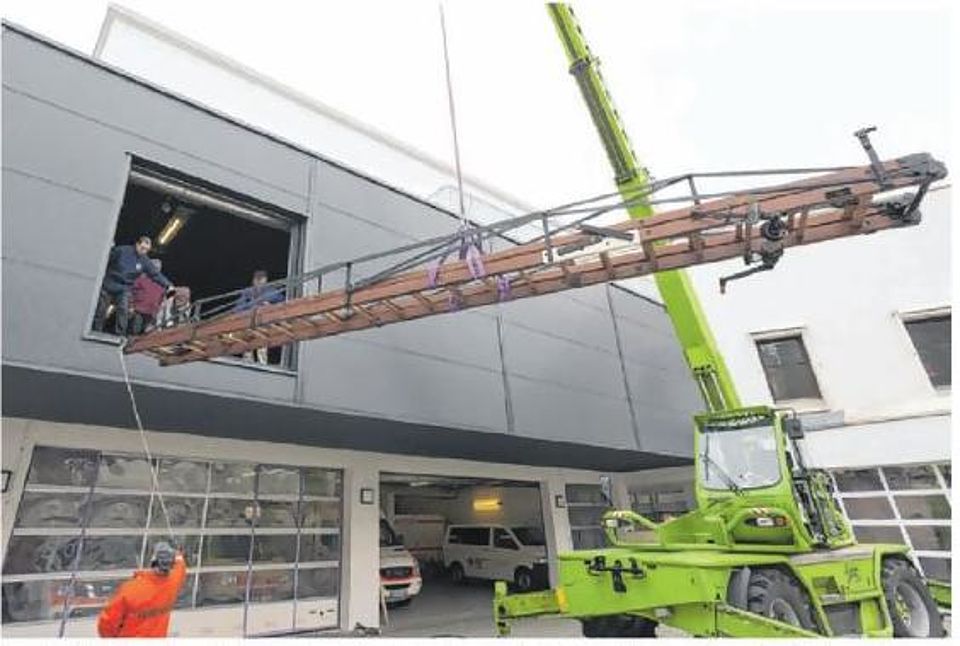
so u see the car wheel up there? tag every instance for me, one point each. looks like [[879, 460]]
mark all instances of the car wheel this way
[[774, 594], [913, 610], [523, 579], [457, 574]]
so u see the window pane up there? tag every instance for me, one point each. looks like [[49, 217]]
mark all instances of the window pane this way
[[182, 475], [931, 338], [51, 509], [278, 480], [945, 472], [182, 512], [858, 480], [226, 550], [225, 512], [878, 534], [322, 582], [868, 508], [585, 493], [121, 472], [923, 507], [585, 516], [321, 482], [33, 600], [930, 538], [54, 466], [275, 549], [218, 588], [271, 585], [118, 511], [34, 554], [319, 547], [190, 543], [318, 513], [919, 477], [586, 539], [111, 552], [89, 596], [277, 514], [935, 568], [787, 367], [231, 477]]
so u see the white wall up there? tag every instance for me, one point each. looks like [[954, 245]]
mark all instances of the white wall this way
[[520, 505], [846, 297]]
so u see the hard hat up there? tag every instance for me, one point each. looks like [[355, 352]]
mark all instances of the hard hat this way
[[162, 558]]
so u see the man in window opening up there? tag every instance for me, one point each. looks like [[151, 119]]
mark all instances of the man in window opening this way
[[141, 606], [126, 264], [147, 295], [259, 293]]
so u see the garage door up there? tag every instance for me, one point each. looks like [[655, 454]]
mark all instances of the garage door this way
[[262, 542]]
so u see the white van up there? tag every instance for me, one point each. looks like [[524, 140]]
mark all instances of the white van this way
[[496, 552], [399, 571]]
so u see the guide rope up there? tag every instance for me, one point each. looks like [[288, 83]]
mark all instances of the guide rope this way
[[154, 466]]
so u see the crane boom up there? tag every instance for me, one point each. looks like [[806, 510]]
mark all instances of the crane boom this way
[[681, 302]]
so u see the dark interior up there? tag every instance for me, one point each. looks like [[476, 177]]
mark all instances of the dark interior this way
[[212, 253]]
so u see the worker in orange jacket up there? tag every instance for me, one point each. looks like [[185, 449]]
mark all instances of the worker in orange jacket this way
[[141, 606]]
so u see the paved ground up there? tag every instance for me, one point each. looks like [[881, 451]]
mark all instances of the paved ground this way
[[445, 609]]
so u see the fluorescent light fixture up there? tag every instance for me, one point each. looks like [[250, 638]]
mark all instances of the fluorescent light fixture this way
[[486, 504], [170, 229]]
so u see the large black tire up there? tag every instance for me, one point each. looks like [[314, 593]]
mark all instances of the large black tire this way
[[523, 579], [913, 610], [777, 595], [618, 626], [457, 574]]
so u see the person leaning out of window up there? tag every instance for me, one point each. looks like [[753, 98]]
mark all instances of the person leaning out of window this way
[[126, 264]]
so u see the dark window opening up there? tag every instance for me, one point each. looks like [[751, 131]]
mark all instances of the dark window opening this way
[[208, 240], [931, 338], [787, 368]]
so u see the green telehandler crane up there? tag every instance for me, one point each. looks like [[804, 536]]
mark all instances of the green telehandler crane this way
[[767, 551]]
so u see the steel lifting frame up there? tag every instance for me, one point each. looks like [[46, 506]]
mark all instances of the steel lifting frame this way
[[836, 204]]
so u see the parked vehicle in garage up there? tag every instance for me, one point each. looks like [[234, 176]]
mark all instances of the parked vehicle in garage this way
[[518, 554], [399, 571]]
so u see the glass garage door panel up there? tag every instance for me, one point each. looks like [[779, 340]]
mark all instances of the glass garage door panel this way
[[262, 542]]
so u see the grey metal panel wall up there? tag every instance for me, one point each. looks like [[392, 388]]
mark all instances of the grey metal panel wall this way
[[68, 128]]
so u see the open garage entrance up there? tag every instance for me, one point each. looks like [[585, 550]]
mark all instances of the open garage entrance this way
[[457, 536]]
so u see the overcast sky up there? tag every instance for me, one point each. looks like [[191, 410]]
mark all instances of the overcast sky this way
[[700, 86]]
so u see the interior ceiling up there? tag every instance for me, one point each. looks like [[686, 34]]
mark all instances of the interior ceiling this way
[[214, 252]]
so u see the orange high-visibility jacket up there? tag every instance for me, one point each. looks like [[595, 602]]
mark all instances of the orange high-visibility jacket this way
[[141, 606]]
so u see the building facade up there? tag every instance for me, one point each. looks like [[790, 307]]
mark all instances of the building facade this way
[[270, 473]]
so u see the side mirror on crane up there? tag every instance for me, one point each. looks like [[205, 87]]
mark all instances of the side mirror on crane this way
[[793, 427]]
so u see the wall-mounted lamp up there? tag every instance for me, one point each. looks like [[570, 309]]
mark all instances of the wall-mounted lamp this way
[[559, 502], [487, 504], [367, 496], [6, 479]]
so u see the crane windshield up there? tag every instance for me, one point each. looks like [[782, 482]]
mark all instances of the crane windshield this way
[[741, 457]]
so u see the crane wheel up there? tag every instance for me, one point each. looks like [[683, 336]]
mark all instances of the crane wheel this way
[[913, 610], [619, 626], [775, 594]]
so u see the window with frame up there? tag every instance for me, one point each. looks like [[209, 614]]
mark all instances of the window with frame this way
[[931, 339], [787, 368], [906, 504], [252, 533], [211, 243], [585, 508]]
